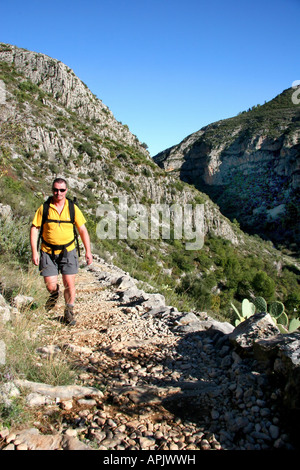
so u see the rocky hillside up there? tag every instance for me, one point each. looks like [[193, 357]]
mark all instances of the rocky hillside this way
[[57, 80], [52, 125], [249, 165]]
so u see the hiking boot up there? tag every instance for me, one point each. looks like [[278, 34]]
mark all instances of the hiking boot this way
[[69, 315], [52, 300]]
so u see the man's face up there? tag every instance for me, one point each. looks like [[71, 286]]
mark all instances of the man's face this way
[[59, 191]]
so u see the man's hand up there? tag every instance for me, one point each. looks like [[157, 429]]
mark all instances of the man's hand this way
[[89, 258], [33, 242], [87, 245], [36, 259]]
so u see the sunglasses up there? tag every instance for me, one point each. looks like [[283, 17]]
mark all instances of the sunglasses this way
[[56, 190]]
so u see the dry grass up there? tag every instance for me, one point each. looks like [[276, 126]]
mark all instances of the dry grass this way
[[28, 329]]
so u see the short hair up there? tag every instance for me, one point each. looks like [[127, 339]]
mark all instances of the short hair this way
[[59, 180]]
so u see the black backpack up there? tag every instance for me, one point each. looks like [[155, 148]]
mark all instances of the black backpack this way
[[72, 221]]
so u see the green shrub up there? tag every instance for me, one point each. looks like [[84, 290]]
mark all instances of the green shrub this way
[[14, 238], [263, 285], [85, 147]]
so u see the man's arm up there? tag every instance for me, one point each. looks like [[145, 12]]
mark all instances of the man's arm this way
[[84, 235], [33, 242]]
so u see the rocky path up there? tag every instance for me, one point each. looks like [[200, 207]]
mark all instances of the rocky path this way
[[146, 380]]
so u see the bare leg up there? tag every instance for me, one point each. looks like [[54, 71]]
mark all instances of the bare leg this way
[[51, 283], [70, 291], [53, 289]]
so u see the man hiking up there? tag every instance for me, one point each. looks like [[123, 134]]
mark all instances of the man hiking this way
[[58, 250]]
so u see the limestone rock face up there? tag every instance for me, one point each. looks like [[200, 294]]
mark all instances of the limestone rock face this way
[[249, 165], [59, 80]]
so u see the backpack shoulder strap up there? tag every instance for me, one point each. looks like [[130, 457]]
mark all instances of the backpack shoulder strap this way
[[72, 217], [46, 210], [72, 210], [46, 205]]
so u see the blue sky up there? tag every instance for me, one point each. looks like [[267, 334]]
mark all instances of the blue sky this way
[[166, 68]]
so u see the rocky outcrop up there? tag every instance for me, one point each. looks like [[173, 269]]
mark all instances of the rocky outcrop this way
[[59, 81], [281, 356], [248, 332], [249, 165], [278, 354]]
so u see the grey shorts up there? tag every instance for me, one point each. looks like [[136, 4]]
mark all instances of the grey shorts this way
[[66, 263]]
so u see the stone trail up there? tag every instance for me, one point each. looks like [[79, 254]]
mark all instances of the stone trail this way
[[149, 378]]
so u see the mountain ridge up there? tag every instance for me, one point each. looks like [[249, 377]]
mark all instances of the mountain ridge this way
[[57, 79], [253, 159]]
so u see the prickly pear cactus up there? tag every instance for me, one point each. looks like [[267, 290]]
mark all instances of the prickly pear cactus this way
[[283, 320], [294, 324], [248, 308], [276, 309], [260, 304]]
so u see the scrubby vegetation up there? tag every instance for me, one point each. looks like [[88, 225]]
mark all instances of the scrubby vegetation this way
[[211, 278], [205, 280]]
